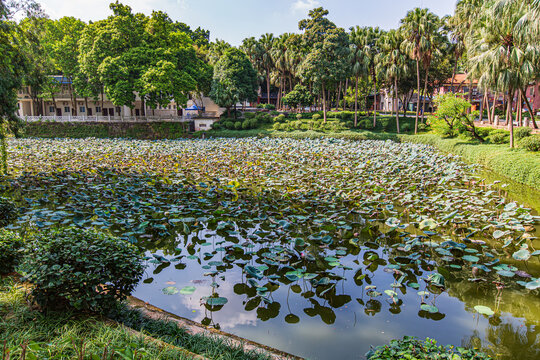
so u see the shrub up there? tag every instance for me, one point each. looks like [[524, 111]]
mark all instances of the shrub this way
[[264, 118], [274, 113], [316, 117], [499, 136], [246, 125], [522, 132], [405, 127], [10, 251], [8, 212], [253, 123], [298, 116], [238, 125], [412, 348], [81, 269], [530, 143], [260, 106], [422, 127], [276, 126], [280, 118], [270, 106], [250, 115]]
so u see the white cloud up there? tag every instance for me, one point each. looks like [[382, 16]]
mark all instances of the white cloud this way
[[304, 6]]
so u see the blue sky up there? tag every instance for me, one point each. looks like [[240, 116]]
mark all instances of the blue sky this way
[[234, 20]]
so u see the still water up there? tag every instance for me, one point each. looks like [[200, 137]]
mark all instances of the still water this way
[[344, 321]]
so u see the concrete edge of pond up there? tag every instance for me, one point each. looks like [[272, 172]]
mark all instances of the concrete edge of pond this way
[[193, 327]]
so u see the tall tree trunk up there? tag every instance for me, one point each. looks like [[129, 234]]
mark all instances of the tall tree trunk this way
[[324, 103], [345, 93], [338, 95], [103, 100], [495, 100], [356, 103], [509, 118], [454, 74], [73, 100], [424, 95], [395, 102], [268, 85], [470, 95], [86, 105], [418, 97], [54, 102], [374, 98], [519, 109], [531, 110]]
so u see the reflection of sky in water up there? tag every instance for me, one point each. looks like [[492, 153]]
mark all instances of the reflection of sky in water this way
[[348, 337]]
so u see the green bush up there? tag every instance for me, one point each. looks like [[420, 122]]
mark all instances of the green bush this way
[[316, 117], [270, 106], [238, 125], [274, 113], [298, 116], [530, 143], [499, 136], [8, 212], [250, 115], [280, 118], [11, 246], [246, 125], [522, 132], [81, 269], [412, 348]]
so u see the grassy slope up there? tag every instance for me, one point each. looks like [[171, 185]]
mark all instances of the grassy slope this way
[[516, 164]]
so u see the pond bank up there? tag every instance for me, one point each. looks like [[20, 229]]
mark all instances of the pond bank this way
[[516, 164]]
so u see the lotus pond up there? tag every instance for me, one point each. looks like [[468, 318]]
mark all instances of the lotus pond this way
[[317, 247]]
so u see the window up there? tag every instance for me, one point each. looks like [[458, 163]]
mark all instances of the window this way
[[66, 109], [174, 106], [202, 125], [169, 107], [82, 109], [51, 109], [98, 109]]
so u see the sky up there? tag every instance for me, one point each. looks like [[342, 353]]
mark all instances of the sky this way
[[234, 20]]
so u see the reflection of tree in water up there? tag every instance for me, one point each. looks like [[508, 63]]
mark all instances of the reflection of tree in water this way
[[508, 341]]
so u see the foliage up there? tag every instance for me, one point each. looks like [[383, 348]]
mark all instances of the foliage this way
[[8, 212], [300, 96], [11, 246], [234, 80], [412, 348], [81, 269], [522, 132], [530, 143], [452, 118]]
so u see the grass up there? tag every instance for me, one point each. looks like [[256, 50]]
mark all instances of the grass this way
[[67, 335], [516, 164]]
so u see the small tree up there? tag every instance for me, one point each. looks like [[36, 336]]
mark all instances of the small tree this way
[[234, 80], [300, 96], [451, 117]]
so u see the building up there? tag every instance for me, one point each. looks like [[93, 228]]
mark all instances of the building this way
[[63, 107]]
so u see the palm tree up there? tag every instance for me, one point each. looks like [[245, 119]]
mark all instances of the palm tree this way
[[421, 27], [358, 66], [502, 54], [266, 43], [365, 39], [392, 62]]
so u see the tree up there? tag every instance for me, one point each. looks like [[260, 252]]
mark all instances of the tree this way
[[393, 62], [327, 62], [367, 39], [234, 80], [62, 37], [13, 65], [452, 116], [266, 43], [421, 28], [502, 54], [299, 96]]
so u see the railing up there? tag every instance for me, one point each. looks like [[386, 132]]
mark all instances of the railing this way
[[102, 118]]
